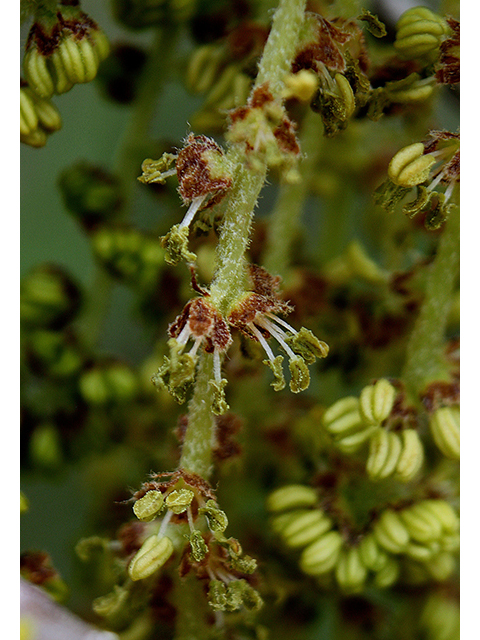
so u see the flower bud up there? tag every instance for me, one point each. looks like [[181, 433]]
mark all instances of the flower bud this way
[[149, 506], [388, 574], [322, 555], [38, 118], [372, 556], [422, 552], [409, 166], [291, 497], [343, 417], [45, 447], [90, 193], [445, 429], [411, 457], [441, 566], [376, 401], [445, 514], [421, 523], [305, 527], [419, 32], [152, 555], [351, 443], [48, 298], [350, 571], [390, 532], [54, 354], [384, 452], [108, 383]]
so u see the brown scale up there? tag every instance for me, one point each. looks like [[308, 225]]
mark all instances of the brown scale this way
[[448, 70], [441, 394], [36, 566], [47, 41]]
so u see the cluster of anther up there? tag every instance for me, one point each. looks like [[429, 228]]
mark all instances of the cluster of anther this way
[[256, 316], [204, 175], [201, 322]]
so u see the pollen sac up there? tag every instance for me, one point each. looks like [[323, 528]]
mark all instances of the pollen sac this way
[[198, 546], [152, 555], [179, 500], [307, 345], [39, 117], [149, 506], [419, 33], [216, 518]]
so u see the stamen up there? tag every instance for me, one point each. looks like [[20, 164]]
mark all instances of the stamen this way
[[449, 190], [282, 322], [192, 210], [269, 326], [190, 518], [194, 349], [217, 366], [184, 334], [434, 182], [164, 525], [262, 341]]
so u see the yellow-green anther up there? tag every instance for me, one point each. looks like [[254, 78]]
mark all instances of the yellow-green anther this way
[[179, 500], [346, 94], [217, 595], [388, 574], [198, 546], [373, 557], [245, 564], [376, 401], [390, 532], [422, 524], [293, 496], [157, 171], [175, 243], [72, 60], [445, 430], [219, 403], [300, 376], [276, 366], [305, 527], [152, 555], [216, 518], [450, 542], [343, 424], [203, 68], [37, 74], [419, 31], [113, 604], [416, 92], [149, 506], [24, 504], [350, 570], [48, 115], [279, 522], [441, 566], [101, 44], [421, 201], [420, 552], [352, 443], [374, 25], [301, 85], [28, 114], [223, 85], [409, 167], [441, 617], [322, 555], [249, 597], [340, 408], [445, 514], [411, 457], [307, 345]]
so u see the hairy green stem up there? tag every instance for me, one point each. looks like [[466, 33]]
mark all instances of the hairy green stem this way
[[229, 280], [424, 359], [126, 167], [285, 219]]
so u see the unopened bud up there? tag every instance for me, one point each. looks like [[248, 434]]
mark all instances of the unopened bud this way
[[322, 555], [390, 532], [350, 571], [384, 453], [376, 401], [152, 555], [388, 574], [445, 429], [411, 457]]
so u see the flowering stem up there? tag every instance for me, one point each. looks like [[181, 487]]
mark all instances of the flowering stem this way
[[425, 348], [128, 158], [285, 219]]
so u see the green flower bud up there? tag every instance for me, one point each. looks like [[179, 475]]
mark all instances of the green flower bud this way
[[276, 366], [90, 193], [441, 566], [291, 497], [372, 556], [376, 401], [216, 518], [179, 500], [108, 383], [411, 457], [351, 443], [56, 354], [322, 555], [421, 523], [384, 453], [390, 532], [419, 32], [48, 298], [152, 555], [45, 447], [444, 513], [388, 574], [409, 166], [350, 571], [38, 117], [445, 429], [343, 417], [149, 506], [198, 546], [305, 527]]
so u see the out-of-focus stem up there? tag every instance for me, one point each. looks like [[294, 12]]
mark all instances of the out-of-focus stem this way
[[424, 361]]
